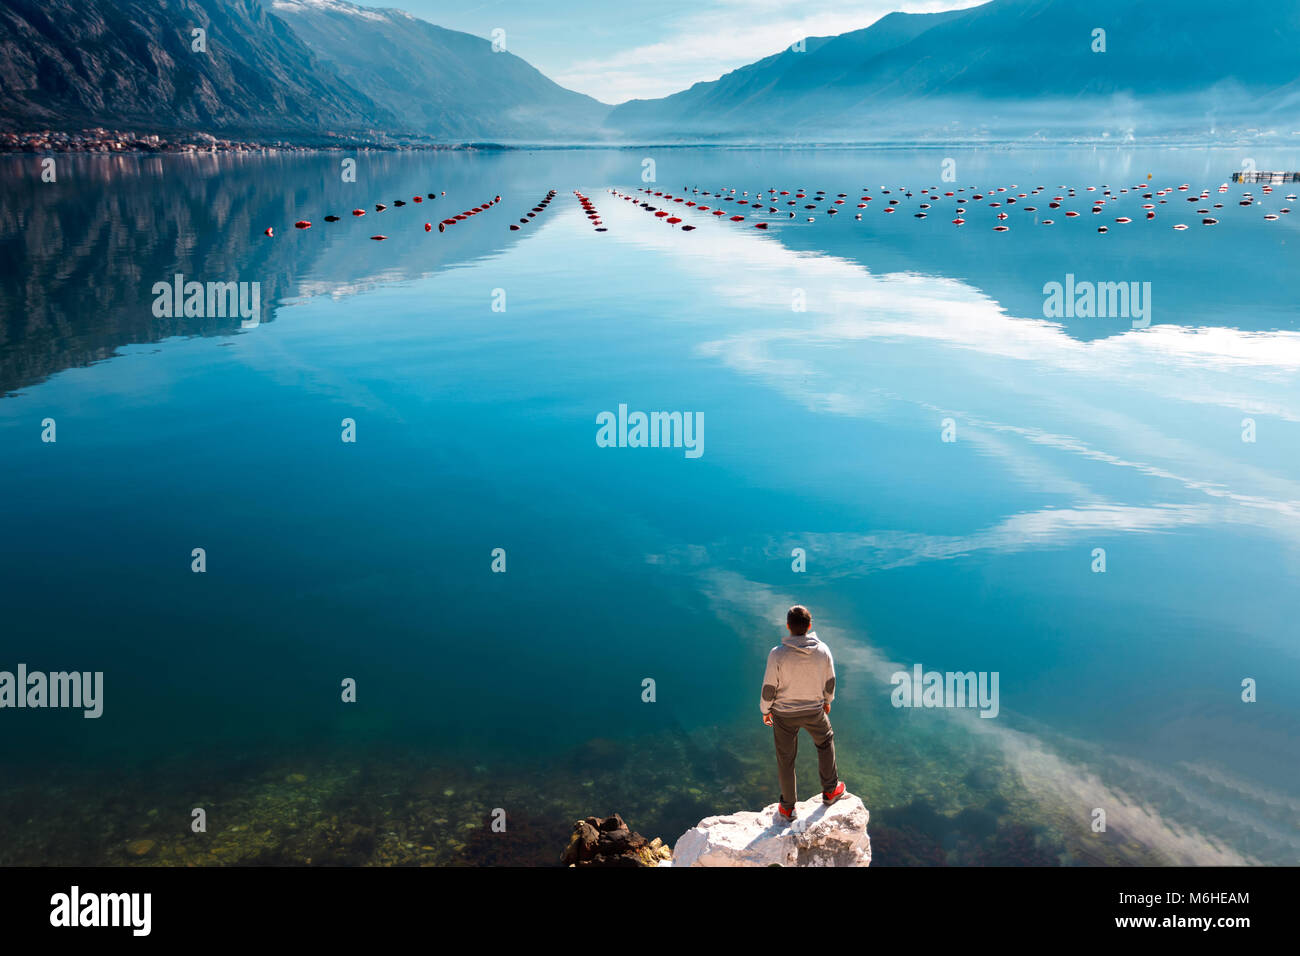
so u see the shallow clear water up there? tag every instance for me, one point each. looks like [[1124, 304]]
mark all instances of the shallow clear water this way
[[824, 358]]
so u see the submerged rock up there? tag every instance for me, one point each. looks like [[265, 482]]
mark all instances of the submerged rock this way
[[140, 847], [821, 835], [609, 842]]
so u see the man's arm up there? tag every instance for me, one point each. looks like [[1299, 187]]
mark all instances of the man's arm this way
[[828, 690], [771, 680]]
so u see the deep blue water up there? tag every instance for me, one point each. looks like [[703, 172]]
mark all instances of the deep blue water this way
[[476, 430]]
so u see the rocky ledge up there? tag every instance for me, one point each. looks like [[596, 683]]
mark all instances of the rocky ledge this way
[[821, 835]]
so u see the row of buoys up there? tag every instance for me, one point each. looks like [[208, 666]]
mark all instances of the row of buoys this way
[[995, 196], [754, 204], [663, 214], [772, 196], [358, 213], [769, 198], [589, 209], [467, 214], [525, 219]]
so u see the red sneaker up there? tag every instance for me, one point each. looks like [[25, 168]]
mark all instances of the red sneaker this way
[[834, 794], [784, 815]]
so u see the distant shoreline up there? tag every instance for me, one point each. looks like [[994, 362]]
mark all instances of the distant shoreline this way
[[117, 142], [102, 140]]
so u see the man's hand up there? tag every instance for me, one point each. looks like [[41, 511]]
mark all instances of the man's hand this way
[[767, 719]]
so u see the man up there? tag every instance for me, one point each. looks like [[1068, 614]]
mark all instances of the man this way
[[798, 687]]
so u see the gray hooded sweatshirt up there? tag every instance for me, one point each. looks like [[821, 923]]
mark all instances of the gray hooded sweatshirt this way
[[800, 676]]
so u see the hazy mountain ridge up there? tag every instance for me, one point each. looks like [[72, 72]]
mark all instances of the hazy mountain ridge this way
[[1016, 67], [789, 73], [437, 81]]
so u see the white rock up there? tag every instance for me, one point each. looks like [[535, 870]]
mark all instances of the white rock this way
[[820, 835]]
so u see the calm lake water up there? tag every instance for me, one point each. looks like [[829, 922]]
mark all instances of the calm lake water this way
[[828, 360]]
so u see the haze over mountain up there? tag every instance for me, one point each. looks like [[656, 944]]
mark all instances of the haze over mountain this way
[[437, 81], [1008, 67]]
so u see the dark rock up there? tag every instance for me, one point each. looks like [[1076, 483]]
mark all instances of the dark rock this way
[[609, 842]]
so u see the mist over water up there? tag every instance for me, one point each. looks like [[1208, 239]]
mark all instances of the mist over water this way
[[476, 429]]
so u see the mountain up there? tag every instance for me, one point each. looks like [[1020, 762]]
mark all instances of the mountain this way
[[304, 70], [448, 84], [315, 70], [1010, 67], [778, 79], [67, 64]]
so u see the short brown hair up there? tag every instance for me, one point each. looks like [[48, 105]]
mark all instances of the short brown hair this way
[[798, 619]]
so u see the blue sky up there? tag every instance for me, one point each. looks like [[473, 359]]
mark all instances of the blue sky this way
[[616, 51]]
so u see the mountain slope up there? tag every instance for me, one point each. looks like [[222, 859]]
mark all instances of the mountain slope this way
[[1009, 66], [824, 61], [442, 82], [71, 63]]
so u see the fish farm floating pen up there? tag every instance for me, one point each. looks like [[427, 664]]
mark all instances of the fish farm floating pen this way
[[1265, 177]]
